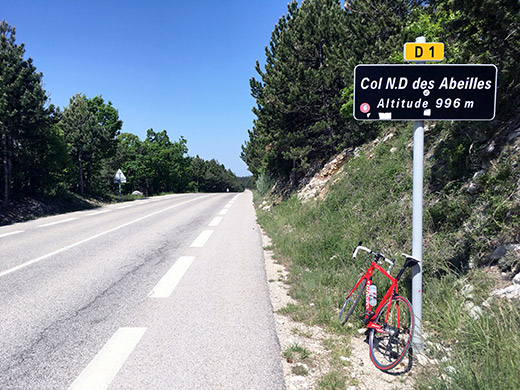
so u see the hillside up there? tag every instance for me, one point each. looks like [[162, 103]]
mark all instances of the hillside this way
[[471, 244]]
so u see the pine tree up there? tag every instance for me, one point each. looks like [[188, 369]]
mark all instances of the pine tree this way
[[298, 97], [379, 29], [129, 157], [90, 128], [485, 32], [79, 129], [24, 120], [108, 126]]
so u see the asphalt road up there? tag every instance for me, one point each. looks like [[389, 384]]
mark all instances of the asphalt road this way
[[161, 293]]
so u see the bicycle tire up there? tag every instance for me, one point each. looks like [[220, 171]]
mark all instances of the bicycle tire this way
[[388, 349], [350, 304]]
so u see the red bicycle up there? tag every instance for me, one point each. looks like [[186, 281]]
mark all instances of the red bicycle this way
[[391, 323]]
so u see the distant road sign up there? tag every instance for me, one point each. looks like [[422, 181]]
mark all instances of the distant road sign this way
[[414, 51], [425, 92], [119, 177]]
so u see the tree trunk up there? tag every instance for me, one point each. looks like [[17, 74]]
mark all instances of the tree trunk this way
[[6, 163], [88, 184], [292, 176], [80, 175]]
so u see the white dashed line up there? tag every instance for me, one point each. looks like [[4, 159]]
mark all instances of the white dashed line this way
[[223, 212], [57, 222], [11, 233], [216, 221], [200, 241], [169, 281], [102, 370]]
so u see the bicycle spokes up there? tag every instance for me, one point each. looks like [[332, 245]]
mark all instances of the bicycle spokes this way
[[389, 346], [351, 302]]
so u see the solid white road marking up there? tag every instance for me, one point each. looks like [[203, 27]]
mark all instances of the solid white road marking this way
[[223, 211], [11, 233], [57, 222], [216, 221], [200, 241], [102, 370], [169, 281], [126, 206], [97, 212], [33, 261]]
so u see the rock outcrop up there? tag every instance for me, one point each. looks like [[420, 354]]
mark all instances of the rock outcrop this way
[[321, 182]]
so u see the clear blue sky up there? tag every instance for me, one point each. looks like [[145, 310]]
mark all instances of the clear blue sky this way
[[180, 66]]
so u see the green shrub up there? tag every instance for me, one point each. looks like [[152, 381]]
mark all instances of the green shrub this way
[[264, 183]]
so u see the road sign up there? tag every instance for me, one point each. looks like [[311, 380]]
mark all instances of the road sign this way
[[425, 92], [119, 177], [414, 51]]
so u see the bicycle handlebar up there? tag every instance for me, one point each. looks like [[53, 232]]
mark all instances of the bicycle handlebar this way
[[377, 255], [362, 248]]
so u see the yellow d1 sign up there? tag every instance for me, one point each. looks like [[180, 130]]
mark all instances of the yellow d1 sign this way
[[423, 51]]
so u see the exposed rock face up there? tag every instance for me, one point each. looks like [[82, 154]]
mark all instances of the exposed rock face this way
[[331, 172], [510, 292], [320, 183]]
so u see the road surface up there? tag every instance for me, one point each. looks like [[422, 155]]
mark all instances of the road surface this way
[[161, 293]]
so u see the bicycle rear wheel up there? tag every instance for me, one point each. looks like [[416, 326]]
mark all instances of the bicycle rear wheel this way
[[351, 302], [388, 348]]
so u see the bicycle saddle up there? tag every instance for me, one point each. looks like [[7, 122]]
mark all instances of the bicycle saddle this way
[[410, 260]]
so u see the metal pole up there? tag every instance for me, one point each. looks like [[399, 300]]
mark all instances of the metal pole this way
[[120, 196], [417, 224]]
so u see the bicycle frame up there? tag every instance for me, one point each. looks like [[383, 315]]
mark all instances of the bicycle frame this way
[[393, 290]]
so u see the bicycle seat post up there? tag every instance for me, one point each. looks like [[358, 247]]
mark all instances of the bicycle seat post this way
[[409, 262]]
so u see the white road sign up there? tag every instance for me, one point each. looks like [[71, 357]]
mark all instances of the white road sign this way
[[119, 177]]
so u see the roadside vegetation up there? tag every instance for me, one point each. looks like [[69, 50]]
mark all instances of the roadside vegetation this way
[[472, 196], [372, 202]]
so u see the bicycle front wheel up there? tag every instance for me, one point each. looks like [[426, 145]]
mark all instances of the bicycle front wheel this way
[[351, 302], [389, 347]]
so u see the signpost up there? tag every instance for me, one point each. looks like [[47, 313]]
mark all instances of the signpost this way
[[417, 221], [417, 93], [118, 179]]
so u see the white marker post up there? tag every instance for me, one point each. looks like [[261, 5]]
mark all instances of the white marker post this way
[[417, 224]]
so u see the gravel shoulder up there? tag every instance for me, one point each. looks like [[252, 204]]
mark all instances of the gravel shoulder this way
[[322, 361]]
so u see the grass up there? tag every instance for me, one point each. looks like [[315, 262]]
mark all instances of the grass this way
[[298, 355], [296, 352], [319, 238], [332, 381], [372, 203], [476, 352], [339, 348]]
